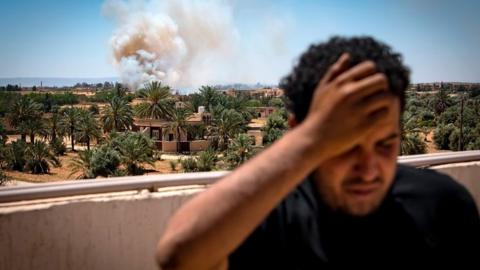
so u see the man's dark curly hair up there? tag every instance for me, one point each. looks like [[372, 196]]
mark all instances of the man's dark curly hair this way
[[300, 84]]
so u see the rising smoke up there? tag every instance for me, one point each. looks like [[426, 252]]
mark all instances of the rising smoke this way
[[183, 43]]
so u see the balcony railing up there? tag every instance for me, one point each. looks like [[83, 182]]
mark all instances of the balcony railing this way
[[153, 182]]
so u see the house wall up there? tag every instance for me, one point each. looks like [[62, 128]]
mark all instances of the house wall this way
[[258, 135], [199, 145], [169, 147]]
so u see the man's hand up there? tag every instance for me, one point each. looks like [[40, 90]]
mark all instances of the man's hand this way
[[346, 105]]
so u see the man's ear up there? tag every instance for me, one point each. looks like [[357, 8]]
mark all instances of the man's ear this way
[[292, 122]]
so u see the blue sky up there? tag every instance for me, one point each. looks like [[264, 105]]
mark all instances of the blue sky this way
[[440, 40]]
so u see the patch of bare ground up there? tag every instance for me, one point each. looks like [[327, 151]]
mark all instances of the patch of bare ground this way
[[431, 147]]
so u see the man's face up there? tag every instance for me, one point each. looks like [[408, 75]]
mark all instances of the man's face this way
[[357, 181]]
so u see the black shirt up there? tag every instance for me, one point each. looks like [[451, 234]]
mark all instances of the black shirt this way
[[425, 218]]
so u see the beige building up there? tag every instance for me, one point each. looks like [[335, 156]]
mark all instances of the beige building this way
[[166, 139]]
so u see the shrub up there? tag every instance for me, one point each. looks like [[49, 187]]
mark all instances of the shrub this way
[[104, 161], [3, 178], [39, 158], [441, 136], [206, 160], [58, 147], [15, 155], [134, 149], [189, 164], [173, 165]]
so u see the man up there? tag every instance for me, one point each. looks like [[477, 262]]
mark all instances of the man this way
[[329, 192]]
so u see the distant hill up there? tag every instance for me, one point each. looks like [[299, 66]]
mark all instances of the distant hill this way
[[53, 82]]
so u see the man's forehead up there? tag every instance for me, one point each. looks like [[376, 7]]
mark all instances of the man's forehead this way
[[390, 126]]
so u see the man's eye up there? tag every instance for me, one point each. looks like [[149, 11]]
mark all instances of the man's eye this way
[[385, 148]]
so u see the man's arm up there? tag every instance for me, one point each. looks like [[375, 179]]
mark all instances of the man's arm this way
[[346, 105]]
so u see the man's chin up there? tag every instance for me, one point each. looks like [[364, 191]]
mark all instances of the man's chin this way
[[361, 209]]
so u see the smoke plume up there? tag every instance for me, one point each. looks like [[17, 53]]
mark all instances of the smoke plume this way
[[183, 43]]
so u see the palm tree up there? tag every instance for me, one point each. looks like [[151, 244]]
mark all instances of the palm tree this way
[[240, 103], [274, 129], [210, 97], [117, 116], [87, 128], [83, 164], [24, 110], [240, 150], [135, 149], [441, 101], [410, 142], [39, 157], [226, 124], [14, 155], [69, 122], [33, 127], [158, 102], [53, 128], [178, 123], [3, 135]]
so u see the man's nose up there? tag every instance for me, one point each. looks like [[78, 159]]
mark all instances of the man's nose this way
[[367, 166]]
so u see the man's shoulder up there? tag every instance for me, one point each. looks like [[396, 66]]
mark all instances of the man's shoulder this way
[[442, 208], [432, 196], [412, 182]]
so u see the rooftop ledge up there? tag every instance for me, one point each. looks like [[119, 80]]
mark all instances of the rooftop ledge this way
[[116, 222]]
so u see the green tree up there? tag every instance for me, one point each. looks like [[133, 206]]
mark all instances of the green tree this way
[[135, 149], [197, 132], [24, 110], [105, 161], [3, 135], [58, 147], [239, 151], [158, 102], [87, 128], [277, 102], [274, 128], [240, 104], [69, 123], [210, 97], [82, 164], [412, 144], [53, 128], [441, 101], [39, 157], [226, 124], [34, 127], [178, 123], [117, 115], [441, 135], [14, 154], [195, 101]]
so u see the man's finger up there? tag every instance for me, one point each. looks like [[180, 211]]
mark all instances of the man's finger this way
[[357, 72], [335, 69], [368, 86]]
